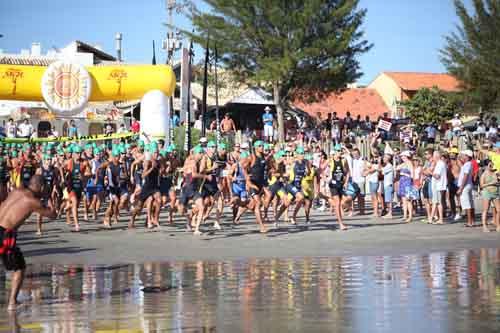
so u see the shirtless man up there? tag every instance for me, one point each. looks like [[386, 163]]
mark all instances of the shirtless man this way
[[18, 206], [227, 125]]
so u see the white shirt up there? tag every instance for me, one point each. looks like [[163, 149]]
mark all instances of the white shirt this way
[[358, 166], [197, 124], [388, 172], [122, 129], [441, 172], [465, 169], [456, 123], [11, 130], [25, 130]]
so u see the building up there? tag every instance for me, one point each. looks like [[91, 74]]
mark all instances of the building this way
[[358, 101], [91, 120], [394, 87]]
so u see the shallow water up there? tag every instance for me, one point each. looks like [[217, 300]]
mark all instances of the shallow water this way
[[440, 292]]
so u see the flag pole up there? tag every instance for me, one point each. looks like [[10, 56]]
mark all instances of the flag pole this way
[[217, 118], [205, 87]]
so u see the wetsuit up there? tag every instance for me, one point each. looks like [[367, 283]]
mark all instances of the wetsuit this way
[[27, 171], [210, 188], [257, 175], [114, 179], [239, 187], [49, 177], [4, 174], [296, 175], [151, 185], [338, 177], [75, 184]]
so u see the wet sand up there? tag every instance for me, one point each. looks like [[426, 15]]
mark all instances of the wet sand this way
[[322, 238]]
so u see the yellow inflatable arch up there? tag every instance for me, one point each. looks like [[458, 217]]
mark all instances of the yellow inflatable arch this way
[[108, 83]]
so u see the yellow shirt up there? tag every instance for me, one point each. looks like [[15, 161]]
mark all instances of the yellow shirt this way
[[495, 158], [307, 184]]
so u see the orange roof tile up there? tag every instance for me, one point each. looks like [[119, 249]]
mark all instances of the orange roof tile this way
[[359, 101], [415, 81]]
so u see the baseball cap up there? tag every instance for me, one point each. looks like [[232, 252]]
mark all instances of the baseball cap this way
[[244, 145]]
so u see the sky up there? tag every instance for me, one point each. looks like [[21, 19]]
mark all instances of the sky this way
[[406, 34]]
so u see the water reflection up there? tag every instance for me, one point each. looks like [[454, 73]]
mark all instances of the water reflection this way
[[440, 292]]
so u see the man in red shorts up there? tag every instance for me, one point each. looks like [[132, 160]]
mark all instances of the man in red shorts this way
[[18, 206]]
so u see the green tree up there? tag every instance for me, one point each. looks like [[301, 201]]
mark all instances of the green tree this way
[[287, 46], [472, 52], [430, 106]]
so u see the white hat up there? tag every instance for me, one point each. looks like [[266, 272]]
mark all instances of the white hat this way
[[267, 108], [203, 139], [406, 153], [468, 152], [244, 145]]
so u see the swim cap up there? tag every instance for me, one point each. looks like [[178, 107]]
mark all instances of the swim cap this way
[[244, 154], [258, 143]]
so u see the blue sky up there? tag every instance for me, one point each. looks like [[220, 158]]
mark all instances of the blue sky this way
[[407, 34]]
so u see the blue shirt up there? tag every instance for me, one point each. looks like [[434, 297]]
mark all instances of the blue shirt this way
[[175, 120], [267, 118]]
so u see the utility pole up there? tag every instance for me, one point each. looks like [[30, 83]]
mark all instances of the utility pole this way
[[171, 44]]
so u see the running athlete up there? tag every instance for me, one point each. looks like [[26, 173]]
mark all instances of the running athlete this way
[[50, 176], [238, 185], [150, 190], [113, 176], [339, 178], [95, 185], [75, 168], [255, 166], [189, 187], [209, 165], [293, 190]]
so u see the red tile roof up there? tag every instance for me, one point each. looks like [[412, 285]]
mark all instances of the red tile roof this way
[[415, 81], [359, 101]]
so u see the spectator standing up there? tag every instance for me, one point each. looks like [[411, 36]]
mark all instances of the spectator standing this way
[[198, 123], [439, 185], [122, 129], [267, 120], [431, 133], [176, 120], [25, 130], [136, 126], [465, 186], [72, 130], [108, 128], [11, 129]]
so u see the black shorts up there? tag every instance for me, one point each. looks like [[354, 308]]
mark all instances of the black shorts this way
[[336, 191], [165, 185], [12, 258], [253, 192], [209, 189], [146, 192], [187, 193], [274, 188]]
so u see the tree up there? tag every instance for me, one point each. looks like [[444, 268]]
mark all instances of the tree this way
[[430, 106], [285, 46], [472, 52]]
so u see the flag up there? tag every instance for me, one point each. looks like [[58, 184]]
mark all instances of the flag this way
[[153, 62]]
